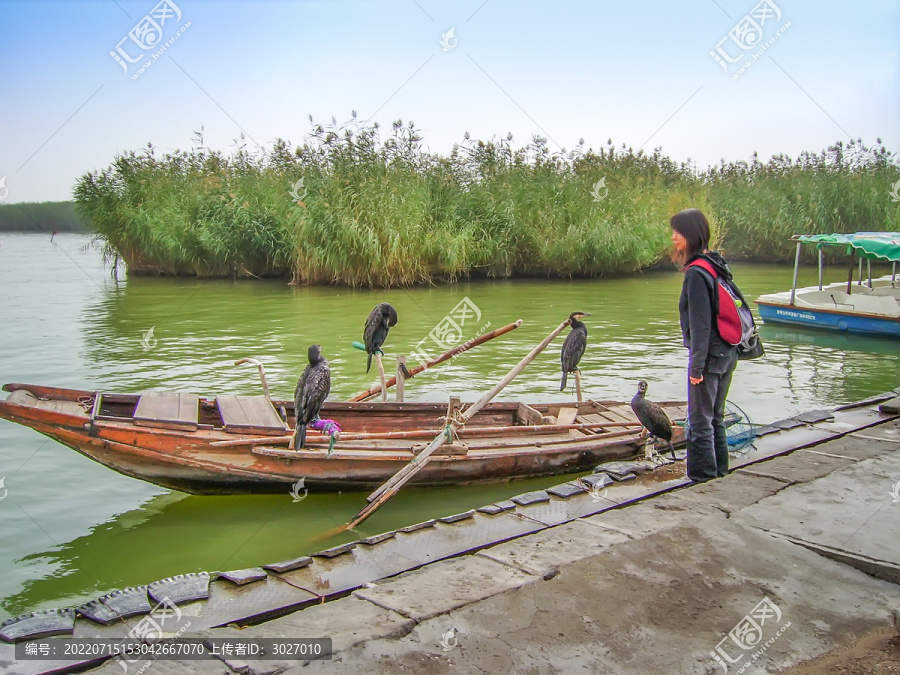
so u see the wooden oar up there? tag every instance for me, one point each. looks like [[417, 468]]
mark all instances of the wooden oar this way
[[481, 339], [390, 488]]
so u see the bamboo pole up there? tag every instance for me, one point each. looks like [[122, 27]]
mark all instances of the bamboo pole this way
[[374, 391], [381, 376], [390, 488], [578, 385]]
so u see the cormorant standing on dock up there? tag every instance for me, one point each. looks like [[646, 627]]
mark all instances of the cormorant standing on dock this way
[[312, 390], [574, 346], [652, 416], [380, 321]]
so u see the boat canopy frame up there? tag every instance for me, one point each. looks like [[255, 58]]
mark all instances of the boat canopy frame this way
[[868, 246]]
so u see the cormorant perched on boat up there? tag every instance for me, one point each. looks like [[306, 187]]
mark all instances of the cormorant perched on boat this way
[[312, 390], [380, 321], [652, 416], [573, 347]]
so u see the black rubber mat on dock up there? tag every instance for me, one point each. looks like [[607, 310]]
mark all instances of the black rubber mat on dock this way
[[128, 601], [181, 588], [456, 517], [335, 550], [288, 565], [527, 498], [814, 416], [566, 490], [38, 625], [245, 576]]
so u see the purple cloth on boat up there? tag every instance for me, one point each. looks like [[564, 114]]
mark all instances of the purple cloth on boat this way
[[328, 427]]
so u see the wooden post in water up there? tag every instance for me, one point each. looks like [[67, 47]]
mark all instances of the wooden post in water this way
[[401, 380]]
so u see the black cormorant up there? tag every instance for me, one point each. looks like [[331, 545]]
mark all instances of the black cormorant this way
[[380, 321], [312, 390], [652, 416], [573, 348]]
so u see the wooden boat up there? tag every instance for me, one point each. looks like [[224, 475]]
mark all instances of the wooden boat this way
[[239, 444], [871, 307]]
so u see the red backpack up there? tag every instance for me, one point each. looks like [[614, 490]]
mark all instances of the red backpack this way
[[733, 319]]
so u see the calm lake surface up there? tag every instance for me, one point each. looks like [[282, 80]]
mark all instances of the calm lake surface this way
[[71, 530]]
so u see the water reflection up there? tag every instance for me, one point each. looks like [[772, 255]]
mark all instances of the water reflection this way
[[832, 366], [173, 533]]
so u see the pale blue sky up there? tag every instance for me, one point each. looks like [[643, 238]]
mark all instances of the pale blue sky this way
[[639, 73]]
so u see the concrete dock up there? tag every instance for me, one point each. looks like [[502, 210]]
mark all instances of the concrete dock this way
[[794, 553], [648, 588]]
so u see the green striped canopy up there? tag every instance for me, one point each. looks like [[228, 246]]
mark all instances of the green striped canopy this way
[[871, 245]]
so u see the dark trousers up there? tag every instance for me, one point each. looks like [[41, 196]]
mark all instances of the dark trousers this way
[[707, 449]]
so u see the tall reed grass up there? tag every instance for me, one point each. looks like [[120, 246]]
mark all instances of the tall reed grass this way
[[846, 188], [386, 212]]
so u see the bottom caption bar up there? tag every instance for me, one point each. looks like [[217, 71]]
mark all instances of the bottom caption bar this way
[[132, 650]]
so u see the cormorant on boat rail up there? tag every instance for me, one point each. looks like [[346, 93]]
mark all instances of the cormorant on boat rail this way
[[312, 390], [380, 321], [574, 346]]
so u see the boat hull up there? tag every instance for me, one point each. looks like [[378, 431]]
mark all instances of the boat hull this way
[[211, 461], [828, 319]]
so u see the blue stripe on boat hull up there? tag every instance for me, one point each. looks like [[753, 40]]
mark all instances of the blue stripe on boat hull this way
[[802, 316]]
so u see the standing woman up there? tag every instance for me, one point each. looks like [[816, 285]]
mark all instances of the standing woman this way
[[712, 360]]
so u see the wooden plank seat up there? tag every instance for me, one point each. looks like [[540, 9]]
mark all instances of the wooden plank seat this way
[[250, 414], [167, 410], [567, 416], [592, 418]]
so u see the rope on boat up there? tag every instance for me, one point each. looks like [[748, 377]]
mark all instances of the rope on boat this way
[[456, 418]]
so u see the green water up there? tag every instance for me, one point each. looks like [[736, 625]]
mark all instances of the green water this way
[[71, 529]]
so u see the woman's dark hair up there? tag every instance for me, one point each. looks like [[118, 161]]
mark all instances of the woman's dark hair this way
[[693, 226]]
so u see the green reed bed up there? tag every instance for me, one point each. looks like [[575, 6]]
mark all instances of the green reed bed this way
[[847, 188], [349, 207]]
